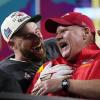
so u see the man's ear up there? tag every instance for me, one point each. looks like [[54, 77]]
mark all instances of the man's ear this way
[[86, 33], [87, 30], [98, 32]]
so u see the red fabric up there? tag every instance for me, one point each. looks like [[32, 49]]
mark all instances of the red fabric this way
[[71, 18], [87, 67], [59, 60]]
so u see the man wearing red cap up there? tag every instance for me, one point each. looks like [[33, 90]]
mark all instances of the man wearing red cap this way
[[75, 35]]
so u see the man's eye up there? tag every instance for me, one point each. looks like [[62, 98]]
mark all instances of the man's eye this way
[[63, 31], [28, 36]]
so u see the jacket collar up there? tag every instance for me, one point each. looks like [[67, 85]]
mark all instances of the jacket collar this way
[[87, 53]]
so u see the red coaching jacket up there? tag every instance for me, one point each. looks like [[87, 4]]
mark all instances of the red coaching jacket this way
[[87, 67]]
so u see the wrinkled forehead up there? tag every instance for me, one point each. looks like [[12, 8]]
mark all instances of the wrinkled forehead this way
[[33, 25], [63, 27], [30, 26]]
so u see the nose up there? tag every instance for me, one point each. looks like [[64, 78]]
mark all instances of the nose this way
[[59, 37]]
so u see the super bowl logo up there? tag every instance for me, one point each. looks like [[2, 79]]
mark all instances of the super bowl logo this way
[[23, 18], [19, 17], [17, 14]]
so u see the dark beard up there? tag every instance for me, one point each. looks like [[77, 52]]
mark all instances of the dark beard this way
[[30, 56]]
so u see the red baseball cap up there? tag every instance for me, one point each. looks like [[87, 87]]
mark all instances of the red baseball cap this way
[[71, 18]]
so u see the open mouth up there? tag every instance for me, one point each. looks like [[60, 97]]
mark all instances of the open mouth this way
[[63, 44]]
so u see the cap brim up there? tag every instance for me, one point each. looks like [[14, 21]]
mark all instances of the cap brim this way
[[36, 18], [52, 24]]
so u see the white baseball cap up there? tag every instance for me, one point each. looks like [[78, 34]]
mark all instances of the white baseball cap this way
[[14, 22]]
